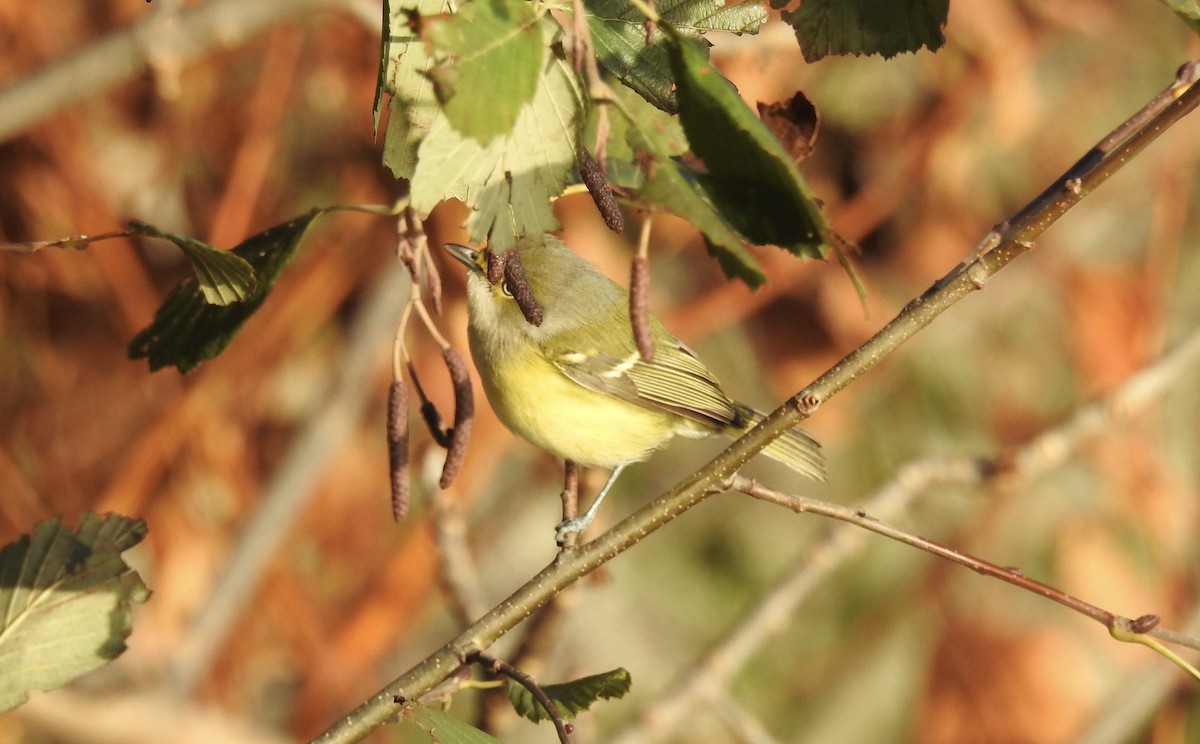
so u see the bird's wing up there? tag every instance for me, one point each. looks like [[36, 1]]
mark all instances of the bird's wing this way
[[674, 381]]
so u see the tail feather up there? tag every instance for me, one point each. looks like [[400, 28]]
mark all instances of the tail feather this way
[[796, 448]]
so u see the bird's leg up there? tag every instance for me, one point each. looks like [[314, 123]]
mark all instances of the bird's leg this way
[[569, 529], [570, 492]]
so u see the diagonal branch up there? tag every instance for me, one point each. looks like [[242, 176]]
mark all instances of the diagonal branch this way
[[127, 52]]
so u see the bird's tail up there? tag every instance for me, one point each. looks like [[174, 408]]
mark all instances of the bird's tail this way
[[796, 448]]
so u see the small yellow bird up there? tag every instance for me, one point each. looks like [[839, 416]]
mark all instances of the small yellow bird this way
[[577, 386]]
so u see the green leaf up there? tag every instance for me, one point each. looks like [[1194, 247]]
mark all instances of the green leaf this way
[[619, 36], [672, 186], [750, 177], [65, 602], [187, 330], [1187, 10], [572, 697], [442, 727], [224, 278], [510, 181], [414, 104], [883, 27], [495, 59]]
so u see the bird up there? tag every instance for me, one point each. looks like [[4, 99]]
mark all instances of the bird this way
[[576, 384]]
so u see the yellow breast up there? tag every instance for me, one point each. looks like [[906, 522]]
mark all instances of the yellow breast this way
[[536, 401]]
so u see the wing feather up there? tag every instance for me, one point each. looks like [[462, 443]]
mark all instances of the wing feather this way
[[673, 381]]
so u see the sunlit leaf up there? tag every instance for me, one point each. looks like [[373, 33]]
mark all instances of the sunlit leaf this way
[[572, 698], [414, 104], [65, 602], [223, 277], [495, 59], [187, 330], [619, 35], [511, 181], [883, 27]]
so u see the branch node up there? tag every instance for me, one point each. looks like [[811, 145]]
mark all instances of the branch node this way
[[808, 403], [978, 274], [500, 668]]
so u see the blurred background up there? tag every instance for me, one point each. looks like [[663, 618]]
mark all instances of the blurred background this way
[[283, 593]]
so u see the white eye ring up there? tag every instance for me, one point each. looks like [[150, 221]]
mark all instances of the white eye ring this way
[[506, 289]]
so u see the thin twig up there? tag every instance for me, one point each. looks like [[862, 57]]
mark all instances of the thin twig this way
[[584, 59], [500, 668], [538, 635], [78, 242], [710, 677], [861, 518], [457, 569], [1131, 704], [639, 295]]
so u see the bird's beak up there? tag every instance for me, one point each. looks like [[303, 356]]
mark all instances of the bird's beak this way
[[466, 256]]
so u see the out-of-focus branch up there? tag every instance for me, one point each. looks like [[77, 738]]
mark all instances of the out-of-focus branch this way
[[131, 51], [133, 718], [292, 485]]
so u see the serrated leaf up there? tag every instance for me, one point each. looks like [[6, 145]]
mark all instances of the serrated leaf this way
[[442, 727], [65, 602], [883, 27], [187, 330], [223, 277], [750, 177], [572, 698], [495, 57], [671, 185], [510, 181], [619, 37], [414, 104]]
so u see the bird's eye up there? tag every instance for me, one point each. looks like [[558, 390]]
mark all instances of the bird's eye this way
[[507, 290]]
